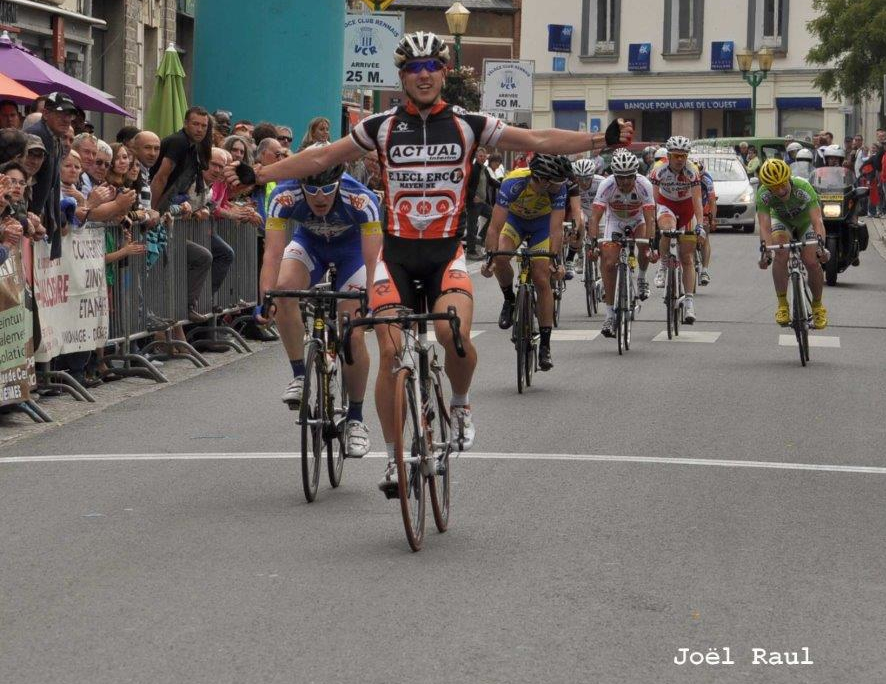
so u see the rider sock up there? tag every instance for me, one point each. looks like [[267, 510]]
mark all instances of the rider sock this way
[[298, 367], [545, 336], [459, 400], [782, 298], [641, 274], [610, 309], [508, 292], [355, 410], [816, 303], [389, 448], [570, 254]]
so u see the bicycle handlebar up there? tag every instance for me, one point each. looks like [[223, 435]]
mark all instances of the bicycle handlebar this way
[[404, 319], [270, 295], [521, 253], [793, 244]]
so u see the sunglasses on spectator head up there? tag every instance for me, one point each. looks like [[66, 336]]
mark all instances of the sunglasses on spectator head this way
[[36, 153], [284, 139], [20, 183], [327, 190], [102, 162], [429, 65]]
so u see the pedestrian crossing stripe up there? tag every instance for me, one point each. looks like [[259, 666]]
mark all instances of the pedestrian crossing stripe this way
[[433, 338], [814, 341], [574, 335], [704, 336]]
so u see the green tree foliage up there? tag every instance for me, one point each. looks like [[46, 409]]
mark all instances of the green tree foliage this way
[[462, 88], [851, 37]]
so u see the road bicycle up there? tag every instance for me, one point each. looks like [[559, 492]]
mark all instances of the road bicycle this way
[[591, 279], [627, 302], [801, 298], [324, 405], [674, 297], [524, 333], [423, 442]]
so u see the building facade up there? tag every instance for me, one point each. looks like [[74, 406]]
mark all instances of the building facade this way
[[669, 66]]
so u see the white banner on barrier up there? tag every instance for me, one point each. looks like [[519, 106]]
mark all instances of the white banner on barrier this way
[[72, 294]]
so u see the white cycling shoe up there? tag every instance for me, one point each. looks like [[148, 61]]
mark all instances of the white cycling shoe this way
[[293, 393], [463, 430], [660, 277], [356, 439], [689, 311]]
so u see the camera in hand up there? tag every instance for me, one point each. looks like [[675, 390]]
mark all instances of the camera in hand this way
[[245, 174]]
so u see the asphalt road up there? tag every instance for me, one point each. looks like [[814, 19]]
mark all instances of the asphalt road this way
[[689, 495]]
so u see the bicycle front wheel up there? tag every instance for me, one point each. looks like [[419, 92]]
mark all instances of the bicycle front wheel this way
[[438, 441], [628, 310], [337, 406], [311, 417], [590, 283], [620, 307], [408, 450], [529, 335], [669, 301], [800, 320], [677, 303], [520, 340]]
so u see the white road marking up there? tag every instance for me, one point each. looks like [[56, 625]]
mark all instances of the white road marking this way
[[433, 338], [814, 341], [279, 455], [574, 335], [689, 336]]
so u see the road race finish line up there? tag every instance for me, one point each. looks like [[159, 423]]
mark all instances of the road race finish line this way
[[574, 335], [814, 341], [689, 336], [479, 456]]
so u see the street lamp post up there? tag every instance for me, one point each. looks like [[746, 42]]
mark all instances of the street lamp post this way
[[457, 19], [754, 78]]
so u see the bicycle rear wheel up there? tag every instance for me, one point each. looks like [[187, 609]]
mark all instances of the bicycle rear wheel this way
[[669, 301], [620, 297], [337, 403], [799, 319], [438, 430], [407, 455], [520, 341], [311, 416]]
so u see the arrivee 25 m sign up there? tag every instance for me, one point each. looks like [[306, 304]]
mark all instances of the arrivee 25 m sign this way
[[370, 41]]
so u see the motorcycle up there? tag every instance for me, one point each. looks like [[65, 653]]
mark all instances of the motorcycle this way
[[846, 238]]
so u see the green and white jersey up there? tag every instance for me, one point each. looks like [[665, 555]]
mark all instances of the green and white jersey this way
[[793, 211]]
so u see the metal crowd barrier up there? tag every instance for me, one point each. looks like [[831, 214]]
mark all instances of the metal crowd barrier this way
[[238, 292]]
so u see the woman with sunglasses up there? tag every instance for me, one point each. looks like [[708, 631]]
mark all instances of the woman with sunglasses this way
[[332, 219], [425, 190]]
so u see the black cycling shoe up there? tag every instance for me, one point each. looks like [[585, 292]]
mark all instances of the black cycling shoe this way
[[506, 318], [545, 362]]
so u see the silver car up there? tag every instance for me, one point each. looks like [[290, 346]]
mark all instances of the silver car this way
[[736, 205]]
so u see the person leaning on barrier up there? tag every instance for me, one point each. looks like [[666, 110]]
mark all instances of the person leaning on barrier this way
[[18, 180], [183, 155], [86, 145]]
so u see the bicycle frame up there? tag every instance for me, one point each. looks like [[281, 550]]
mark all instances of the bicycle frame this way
[[801, 304], [673, 299]]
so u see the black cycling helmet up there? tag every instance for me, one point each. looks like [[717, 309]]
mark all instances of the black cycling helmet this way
[[554, 167], [331, 175]]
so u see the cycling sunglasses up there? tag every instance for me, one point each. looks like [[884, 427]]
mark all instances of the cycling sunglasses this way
[[327, 190], [429, 65]]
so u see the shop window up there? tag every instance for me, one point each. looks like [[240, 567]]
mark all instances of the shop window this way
[[684, 21], [768, 24], [600, 28], [737, 123], [571, 119], [656, 126], [800, 123]]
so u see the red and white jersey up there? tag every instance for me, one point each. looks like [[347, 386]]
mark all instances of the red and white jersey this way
[[625, 206], [426, 163], [676, 186]]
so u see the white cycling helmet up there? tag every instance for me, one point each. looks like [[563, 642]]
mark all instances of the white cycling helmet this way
[[624, 163], [834, 151], [678, 143], [584, 168], [804, 155], [660, 153], [420, 44], [793, 148]]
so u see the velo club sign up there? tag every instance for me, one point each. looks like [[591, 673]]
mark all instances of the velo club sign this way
[[507, 85], [370, 41]]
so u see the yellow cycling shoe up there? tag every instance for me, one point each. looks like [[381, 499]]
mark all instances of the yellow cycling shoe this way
[[782, 315], [819, 317]]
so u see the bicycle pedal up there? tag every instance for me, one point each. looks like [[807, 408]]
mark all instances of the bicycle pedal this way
[[389, 489]]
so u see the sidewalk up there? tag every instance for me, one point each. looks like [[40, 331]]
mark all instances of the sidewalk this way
[[877, 230]]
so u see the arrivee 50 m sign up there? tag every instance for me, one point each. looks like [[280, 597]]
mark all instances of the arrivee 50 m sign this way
[[507, 85], [370, 41]]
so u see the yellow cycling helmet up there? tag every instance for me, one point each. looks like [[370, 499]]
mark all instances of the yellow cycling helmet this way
[[774, 172]]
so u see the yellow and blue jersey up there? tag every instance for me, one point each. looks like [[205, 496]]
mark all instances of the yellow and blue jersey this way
[[517, 195]]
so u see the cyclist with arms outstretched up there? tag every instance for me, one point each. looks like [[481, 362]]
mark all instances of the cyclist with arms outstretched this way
[[788, 209], [425, 149]]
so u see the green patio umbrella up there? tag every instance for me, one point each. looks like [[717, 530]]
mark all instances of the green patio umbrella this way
[[166, 115]]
